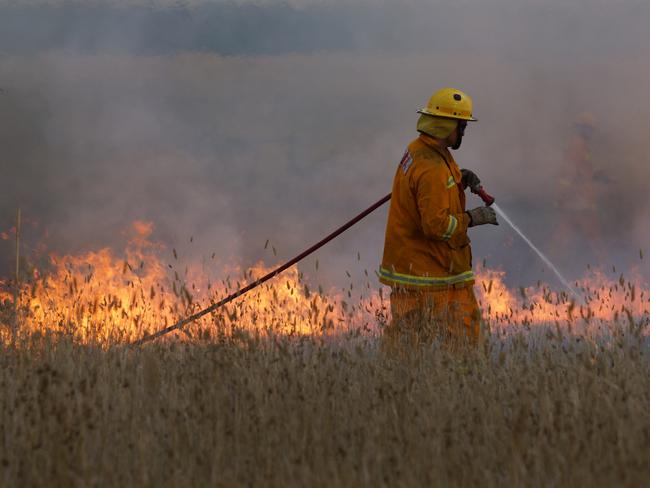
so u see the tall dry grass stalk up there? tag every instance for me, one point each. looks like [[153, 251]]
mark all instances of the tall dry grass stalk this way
[[17, 271], [244, 411]]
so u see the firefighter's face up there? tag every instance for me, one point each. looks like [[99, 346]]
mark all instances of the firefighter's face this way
[[456, 137]]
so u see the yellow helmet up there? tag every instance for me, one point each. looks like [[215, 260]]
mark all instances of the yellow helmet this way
[[450, 103]]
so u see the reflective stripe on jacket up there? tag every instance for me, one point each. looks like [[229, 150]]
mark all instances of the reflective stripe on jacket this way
[[426, 242]]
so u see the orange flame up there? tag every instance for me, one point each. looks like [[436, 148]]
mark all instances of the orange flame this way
[[602, 301], [103, 297]]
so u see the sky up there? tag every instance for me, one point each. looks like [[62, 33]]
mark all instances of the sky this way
[[240, 122]]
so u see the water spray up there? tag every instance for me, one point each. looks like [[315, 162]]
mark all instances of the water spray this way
[[489, 201], [542, 256]]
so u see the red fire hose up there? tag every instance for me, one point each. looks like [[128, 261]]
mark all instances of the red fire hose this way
[[489, 200], [264, 278]]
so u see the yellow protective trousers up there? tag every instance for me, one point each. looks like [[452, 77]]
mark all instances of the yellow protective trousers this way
[[450, 315]]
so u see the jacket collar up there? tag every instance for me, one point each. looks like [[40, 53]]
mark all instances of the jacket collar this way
[[433, 143], [444, 152]]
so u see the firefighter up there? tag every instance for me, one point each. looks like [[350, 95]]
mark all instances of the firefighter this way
[[580, 187], [427, 258]]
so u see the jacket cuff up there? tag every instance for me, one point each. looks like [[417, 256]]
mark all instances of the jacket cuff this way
[[469, 221]]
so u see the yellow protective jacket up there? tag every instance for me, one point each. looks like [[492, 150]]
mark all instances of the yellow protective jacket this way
[[426, 244]]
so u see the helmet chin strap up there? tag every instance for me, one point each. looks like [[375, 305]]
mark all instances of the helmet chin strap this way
[[462, 124]]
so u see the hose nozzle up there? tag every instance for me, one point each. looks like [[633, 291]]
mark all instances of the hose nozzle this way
[[486, 197]]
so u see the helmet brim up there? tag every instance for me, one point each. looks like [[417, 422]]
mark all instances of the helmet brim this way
[[456, 117]]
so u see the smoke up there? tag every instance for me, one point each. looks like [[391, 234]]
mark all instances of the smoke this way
[[238, 122]]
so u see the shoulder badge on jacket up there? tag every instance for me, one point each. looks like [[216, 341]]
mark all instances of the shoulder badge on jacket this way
[[406, 161]]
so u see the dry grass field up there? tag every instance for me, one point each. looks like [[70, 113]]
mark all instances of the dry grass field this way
[[526, 410], [290, 386]]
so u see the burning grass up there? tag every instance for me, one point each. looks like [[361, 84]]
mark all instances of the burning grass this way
[[106, 297], [555, 411]]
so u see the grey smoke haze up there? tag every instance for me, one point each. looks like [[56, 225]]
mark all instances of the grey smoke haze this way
[[240, 122]]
